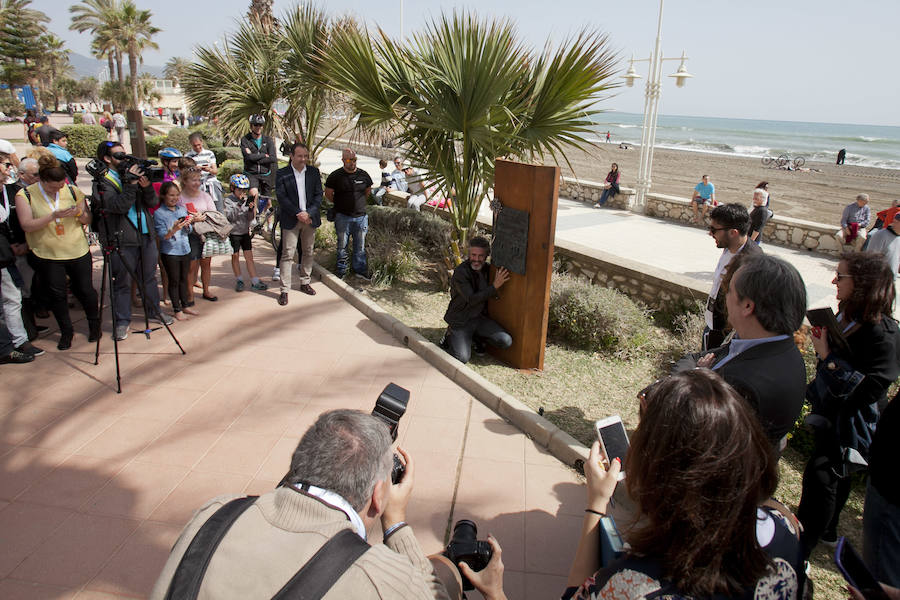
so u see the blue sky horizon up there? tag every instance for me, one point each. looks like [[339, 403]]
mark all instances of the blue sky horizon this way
[[806, 60]]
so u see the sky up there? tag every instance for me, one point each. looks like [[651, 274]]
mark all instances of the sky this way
[[796, 60]]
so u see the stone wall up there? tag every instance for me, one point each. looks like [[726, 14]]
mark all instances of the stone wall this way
[[782, 231], [589, 193]]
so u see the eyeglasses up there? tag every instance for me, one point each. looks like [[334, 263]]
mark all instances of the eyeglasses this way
[[348, 159], [715, 229], [840, 276]]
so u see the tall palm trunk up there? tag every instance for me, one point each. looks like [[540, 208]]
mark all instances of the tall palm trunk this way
[[110, 65], [132, 69], [120, 77]]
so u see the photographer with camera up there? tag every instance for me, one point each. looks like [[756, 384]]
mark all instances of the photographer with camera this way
[[701, 473], [125, 195], [337, 489]]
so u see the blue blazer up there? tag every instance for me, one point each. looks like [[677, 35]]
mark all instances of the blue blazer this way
[[289, 200]]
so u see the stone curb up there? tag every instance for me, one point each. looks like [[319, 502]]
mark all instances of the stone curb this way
[[559, 443]]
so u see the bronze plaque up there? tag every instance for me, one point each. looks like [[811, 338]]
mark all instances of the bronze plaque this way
[[510, 243]]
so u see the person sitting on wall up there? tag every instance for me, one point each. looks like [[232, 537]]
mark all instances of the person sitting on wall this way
[[467, 315]]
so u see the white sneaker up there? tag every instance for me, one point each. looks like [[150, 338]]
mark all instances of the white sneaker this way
[[276, 274]]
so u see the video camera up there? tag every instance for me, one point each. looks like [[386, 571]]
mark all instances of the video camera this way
[[390, 406], [145, 167]]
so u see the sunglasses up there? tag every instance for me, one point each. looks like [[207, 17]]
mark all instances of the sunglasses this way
[[715, 229]]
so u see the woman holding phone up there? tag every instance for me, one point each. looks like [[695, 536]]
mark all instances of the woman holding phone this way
[[197, 202], [850, 382], [699, 469]]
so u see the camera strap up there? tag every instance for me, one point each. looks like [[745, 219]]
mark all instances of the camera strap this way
[[311, 582]]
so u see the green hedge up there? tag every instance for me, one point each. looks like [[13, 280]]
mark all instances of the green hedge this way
[[77, 119], [228, 168], [595, 318], [178, 138], [429, 230], [226, 153], [211, 136], [84, 139], [154, 145]]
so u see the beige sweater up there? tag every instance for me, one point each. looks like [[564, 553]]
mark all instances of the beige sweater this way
[[276, 536]]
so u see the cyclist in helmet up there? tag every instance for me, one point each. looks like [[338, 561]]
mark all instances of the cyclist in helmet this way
[[169, 159], [240, 208], [260, 155]]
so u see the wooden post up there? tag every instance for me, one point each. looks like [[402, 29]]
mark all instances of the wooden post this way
[[136, 132], [524, 301]]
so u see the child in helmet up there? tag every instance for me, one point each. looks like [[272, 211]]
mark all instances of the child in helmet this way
[[241, 210]]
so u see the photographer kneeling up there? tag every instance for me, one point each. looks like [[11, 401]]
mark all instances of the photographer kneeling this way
[[125, 195], [701, 472], [339, 481]]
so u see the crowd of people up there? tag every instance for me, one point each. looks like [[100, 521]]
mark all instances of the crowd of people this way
[[702, 466]]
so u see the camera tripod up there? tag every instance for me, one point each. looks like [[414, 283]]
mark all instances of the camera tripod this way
[[111, 244]]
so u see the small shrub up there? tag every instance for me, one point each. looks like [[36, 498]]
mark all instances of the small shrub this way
[[84, 139], [77, 119], [229, 168], [9, 106], [154, 145], [211, 135], [224, 153], [596, 318], [178, 138], [432, 232], [326, 236], [394, 262]]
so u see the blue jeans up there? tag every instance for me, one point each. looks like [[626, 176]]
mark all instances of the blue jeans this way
[[881, 537], [604, 196], [355, 227]]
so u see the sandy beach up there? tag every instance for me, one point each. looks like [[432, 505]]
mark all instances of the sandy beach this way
[[815, 196]]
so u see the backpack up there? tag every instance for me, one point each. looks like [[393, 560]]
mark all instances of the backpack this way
[[33, 136]]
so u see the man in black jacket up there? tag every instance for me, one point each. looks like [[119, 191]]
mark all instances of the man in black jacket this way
[[766, 302], [125, 197], [466, 315], [259, 155]]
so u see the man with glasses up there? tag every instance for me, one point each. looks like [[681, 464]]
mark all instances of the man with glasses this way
[[729, 225], [259, 155], [348, 188]]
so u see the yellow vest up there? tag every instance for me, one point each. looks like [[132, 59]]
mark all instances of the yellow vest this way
[[45, 243]]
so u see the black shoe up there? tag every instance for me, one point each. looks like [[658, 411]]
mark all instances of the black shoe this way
[[16, 357], [830, 538], [65, 340], [478, 348], [283, 299], [28, 348]]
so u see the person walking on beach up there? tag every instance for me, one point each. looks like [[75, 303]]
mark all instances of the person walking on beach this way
[[704, 195], [607, 137], [842, 154]]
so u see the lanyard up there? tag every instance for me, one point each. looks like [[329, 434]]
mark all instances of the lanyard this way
[[4, 210], [50, 204]]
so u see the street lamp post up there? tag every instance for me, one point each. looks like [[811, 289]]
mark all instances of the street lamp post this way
[[651, 109]]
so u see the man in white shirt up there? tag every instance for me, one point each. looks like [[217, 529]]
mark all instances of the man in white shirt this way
[[206, 162], [299, 190]]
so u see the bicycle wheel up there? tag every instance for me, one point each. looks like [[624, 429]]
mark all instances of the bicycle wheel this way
[[799, 162], [767, 160], [276, 235], [782, 160], [268, 223]]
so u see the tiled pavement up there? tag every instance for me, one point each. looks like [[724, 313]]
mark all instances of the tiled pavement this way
[[95, 486]]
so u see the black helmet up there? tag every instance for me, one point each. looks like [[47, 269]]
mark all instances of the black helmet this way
[[257, 120]]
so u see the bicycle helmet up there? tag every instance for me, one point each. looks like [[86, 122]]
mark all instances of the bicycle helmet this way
[[240, 181], [257, 120], [167, 153]]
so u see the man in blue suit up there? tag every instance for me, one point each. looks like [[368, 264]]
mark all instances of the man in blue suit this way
[[299, 190]]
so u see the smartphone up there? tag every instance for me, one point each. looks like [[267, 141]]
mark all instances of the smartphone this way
[[613, 440], [189, 206], [856, 573]]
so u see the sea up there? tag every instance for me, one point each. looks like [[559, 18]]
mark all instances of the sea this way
[[866, 145]]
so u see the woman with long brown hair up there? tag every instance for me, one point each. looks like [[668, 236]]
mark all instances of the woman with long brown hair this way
[[52, 215], [851, 379], [699, 470]]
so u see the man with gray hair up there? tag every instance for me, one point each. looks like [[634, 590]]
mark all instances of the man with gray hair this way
[[854, 221], [339, 480], [766, 302]]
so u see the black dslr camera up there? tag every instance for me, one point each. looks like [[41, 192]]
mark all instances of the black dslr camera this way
[[145, 166], [390, 406], [465, 547]]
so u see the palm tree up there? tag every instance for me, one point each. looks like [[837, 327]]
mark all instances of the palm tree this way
[[54, 62], [133, 27], [21, 29], [175, 69], [99, 17], [465, 92]]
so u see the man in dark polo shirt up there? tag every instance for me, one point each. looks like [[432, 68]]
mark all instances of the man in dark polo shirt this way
[[348, 188]]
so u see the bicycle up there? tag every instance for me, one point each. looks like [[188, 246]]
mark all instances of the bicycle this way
[[782, 161]]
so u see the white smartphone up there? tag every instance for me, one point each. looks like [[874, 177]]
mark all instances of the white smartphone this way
[[613, 440]]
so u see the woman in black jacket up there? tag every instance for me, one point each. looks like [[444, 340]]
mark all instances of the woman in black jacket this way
[[850, 381]]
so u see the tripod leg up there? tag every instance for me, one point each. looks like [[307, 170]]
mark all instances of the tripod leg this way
[[100, 314]]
